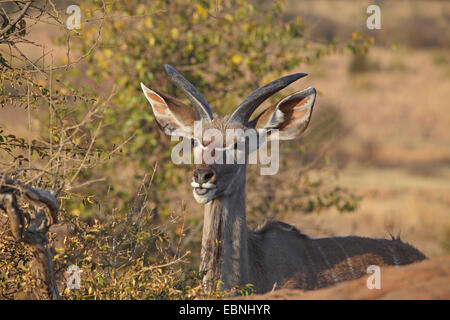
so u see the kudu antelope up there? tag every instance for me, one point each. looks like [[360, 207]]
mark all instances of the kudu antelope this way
[[277, 254]]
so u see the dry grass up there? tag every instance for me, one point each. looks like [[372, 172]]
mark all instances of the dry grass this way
[[394, 201]]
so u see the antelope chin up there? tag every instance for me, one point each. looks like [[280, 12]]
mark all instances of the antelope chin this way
[[203, 195]]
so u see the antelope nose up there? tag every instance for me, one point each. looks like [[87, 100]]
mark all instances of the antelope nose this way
[[204, 176]]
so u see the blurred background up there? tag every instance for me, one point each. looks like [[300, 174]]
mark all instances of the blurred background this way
[[392, 102], [375, 160]]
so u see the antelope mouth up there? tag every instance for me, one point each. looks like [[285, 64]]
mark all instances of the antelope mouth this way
[[203, 193]]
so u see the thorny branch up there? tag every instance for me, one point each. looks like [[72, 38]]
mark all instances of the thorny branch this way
[[16, 20], [31, 212]]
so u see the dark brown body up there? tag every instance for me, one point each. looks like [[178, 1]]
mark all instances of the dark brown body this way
[[307, 263]]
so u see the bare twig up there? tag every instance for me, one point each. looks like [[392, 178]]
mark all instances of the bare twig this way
[[18, 18], [150, 268]]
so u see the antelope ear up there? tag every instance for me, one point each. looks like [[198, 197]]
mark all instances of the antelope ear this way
[[172, 116], [290, 116]]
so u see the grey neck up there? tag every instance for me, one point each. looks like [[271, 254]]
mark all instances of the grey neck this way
[[224, 252]]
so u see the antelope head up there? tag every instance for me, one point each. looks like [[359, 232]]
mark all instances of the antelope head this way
[[222, 177]]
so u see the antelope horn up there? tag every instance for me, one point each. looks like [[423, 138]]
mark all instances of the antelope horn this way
[[244, 110], [198, 102]]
